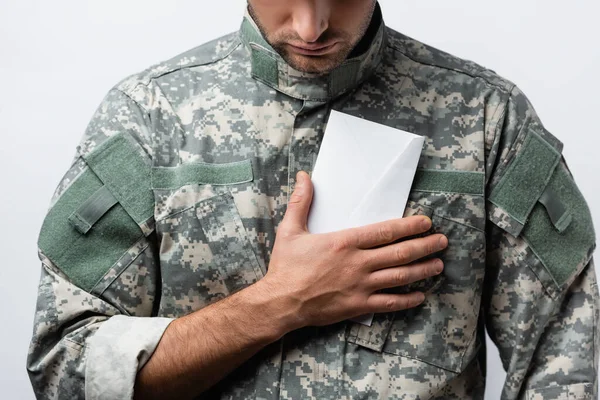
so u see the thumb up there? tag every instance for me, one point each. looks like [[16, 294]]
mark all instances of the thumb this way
[[296, 215]]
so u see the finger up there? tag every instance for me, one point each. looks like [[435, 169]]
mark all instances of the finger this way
[[296, 214], [368, 236], [404, 275], [404, 252], [384, 302]]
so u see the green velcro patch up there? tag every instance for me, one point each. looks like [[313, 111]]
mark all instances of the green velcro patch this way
[[202, 173], [265, 67], [526, 178], [123, 167], [466, 182], [92, 210], [343, 77], [86, 258], [561, 252], [251, 35]]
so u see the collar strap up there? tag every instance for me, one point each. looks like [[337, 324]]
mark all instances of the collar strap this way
[[270, 68]]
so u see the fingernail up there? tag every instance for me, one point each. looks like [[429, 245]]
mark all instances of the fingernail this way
[[426, 223], [443, 242], [438, 265], [299, 178]]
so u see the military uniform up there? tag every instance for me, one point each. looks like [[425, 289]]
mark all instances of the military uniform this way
[[178, 185]]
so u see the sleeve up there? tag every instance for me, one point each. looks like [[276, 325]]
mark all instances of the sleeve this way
[[99, 265], [540, 301]]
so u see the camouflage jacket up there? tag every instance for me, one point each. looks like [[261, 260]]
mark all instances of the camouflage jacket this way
[[180, 180]]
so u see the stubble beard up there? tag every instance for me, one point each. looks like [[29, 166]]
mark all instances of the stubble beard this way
[[319, 65]]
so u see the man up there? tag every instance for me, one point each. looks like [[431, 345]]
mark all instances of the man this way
[[176, 261]]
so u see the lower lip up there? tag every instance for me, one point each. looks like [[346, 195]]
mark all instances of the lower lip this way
[[317, 52]]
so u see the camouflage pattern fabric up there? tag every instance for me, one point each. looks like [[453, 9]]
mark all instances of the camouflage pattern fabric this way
[[223, 129]]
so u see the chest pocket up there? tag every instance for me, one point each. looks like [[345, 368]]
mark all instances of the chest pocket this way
[[442, 330], [205, 252]]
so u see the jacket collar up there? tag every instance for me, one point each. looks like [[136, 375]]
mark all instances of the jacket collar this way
[[270, 68]]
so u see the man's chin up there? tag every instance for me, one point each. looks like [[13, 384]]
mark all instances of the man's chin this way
[[319, 65]]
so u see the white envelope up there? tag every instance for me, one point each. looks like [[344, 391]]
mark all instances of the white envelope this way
[[363, 175]]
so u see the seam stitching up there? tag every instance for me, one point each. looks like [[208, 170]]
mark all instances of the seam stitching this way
[[236, 42], [125, 267], [471, 74], [500, 121]]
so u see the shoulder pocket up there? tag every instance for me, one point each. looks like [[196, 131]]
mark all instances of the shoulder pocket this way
[[559, 228], [539, 200], [103, 213]]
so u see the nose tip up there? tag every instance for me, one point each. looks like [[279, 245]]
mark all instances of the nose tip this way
[[310, 24], [310, 32]]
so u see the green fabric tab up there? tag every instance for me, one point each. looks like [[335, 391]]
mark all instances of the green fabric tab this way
[[562, 252], [557, 212], [202, 173], [343, 77], [249, 35], [526, 178], [265, 67], [86, 258], [431, 180], [92, 210], [120, 164]]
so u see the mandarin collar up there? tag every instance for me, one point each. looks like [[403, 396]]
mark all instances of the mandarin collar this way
[[271, 69]]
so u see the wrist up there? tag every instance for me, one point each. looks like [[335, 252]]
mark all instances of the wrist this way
[[278, 312]]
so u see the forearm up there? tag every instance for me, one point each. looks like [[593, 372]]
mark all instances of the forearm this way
[[200, 349]]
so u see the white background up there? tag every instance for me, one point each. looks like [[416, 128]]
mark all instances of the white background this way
[[58, 59]]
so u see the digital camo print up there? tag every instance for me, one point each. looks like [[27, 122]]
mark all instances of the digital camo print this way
[[212, 234]]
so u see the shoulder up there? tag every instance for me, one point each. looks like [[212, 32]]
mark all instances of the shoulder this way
[[136, 105], [468, 87], [137, 86], [423, 59]]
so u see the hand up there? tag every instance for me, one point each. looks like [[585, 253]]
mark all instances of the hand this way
[[329, 277]]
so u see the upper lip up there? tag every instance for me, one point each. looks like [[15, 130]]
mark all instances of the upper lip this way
[[313, 47]]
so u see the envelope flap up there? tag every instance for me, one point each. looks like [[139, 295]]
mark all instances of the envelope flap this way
[[362, 167], [387, 197]]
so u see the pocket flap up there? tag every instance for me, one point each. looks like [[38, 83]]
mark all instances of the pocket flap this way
[[372, 337]]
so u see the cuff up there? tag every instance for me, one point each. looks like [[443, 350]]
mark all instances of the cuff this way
[[118, 350], [576, 391]]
